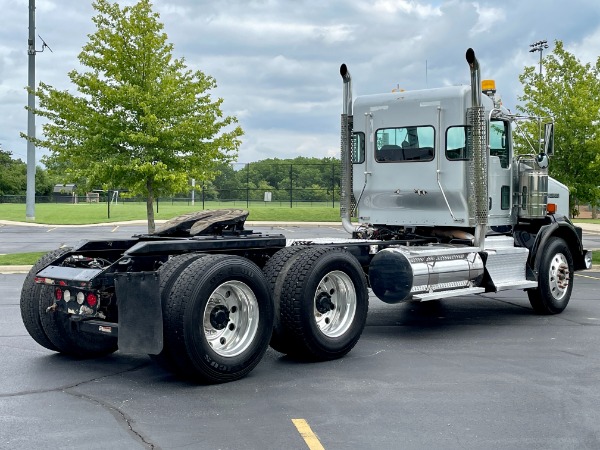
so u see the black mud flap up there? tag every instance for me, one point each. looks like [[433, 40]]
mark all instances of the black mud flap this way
[[140, 312]]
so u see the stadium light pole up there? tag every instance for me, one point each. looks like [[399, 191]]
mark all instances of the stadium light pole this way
[[539, 46], [30, 195]]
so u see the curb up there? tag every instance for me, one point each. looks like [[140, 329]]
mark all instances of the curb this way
[[8, 270]]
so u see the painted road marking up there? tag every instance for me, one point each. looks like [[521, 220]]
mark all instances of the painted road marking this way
[[285, 229], [51, 229], [115, 229], [586, 276], [312, 441]]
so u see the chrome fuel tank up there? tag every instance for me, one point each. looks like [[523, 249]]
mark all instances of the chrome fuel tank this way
[[397, 274]]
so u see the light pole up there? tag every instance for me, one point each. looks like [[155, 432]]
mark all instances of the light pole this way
[[539, 46], [31, 51], [30, 197]]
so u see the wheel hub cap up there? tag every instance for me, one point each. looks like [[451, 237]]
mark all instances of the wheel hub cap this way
[[230, 319], [559, 275], [335, 304], [219, 317]]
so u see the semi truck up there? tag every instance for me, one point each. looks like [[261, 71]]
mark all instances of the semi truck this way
[[436, 201]]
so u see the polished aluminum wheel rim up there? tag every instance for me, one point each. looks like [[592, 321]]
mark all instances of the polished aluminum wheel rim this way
[[230, 320], [335, 304], [559, 276]]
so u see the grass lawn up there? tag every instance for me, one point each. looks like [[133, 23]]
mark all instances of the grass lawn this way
[[87, 213], [20, 259]]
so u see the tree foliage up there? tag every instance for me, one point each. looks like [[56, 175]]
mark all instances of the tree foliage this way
[[299, 179], [141, 120], [13, 177], [569, 92]]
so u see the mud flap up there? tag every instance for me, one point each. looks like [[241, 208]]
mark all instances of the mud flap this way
[[140, 312]]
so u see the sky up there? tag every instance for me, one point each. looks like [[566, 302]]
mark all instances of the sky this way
[[276, 62]]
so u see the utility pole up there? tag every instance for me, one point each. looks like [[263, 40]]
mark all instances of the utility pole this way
[[30, 197], [539, 46], [31, 51]]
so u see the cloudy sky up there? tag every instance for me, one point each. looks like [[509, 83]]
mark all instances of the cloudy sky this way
[[277, 62]]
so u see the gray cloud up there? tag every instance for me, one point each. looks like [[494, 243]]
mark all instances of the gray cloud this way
[[276, 62]]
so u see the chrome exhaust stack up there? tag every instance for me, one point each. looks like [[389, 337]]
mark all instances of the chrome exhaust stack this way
[[346, 152], [478, 168]]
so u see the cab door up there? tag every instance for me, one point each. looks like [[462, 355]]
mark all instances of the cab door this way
[[499, 172]]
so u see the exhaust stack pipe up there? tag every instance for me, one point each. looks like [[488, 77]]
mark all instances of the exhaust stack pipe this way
[[475, 78], [347, 79], [478, 171], [346, 152]]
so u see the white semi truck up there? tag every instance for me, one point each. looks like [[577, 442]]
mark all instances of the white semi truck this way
[[443, 208]]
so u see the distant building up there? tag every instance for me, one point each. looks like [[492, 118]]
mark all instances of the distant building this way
[[65, 193]]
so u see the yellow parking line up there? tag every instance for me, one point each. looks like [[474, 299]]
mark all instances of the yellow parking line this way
[[312, 441], [586, 276]]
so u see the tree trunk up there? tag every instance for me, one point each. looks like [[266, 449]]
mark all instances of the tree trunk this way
[[150, 206]]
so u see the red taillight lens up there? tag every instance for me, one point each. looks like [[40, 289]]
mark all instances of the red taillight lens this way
[[58, 294], [91, 299]]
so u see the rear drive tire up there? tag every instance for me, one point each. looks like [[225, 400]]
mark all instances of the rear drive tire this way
[[65, 337], [555, 279], [56, 326], [168, 274], [324, 303], [30, 300], [218, 319], [275, 271]]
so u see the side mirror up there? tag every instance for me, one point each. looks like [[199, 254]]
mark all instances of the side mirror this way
[[549, 139]]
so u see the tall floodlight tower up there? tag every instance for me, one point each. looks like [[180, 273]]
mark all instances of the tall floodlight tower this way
[[30, 198], [539, 46]]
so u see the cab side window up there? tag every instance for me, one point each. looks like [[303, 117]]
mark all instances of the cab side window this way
[[405, 144], [499, 141], [358, 148], [456, 143]]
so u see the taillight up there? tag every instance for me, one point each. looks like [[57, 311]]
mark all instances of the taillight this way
[[58, 294], [91, 300]]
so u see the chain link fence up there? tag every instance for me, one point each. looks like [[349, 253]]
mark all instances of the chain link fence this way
[[238, 185]]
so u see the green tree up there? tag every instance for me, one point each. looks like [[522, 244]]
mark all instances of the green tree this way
[[311, 179], [142, 120], [569, 92], [13, 174], [13, 177]]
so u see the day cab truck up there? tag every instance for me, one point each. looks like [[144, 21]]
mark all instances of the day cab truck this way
[[435, 201]]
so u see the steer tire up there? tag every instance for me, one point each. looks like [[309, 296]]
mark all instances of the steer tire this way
[[168, 274], [275, 271], [30, 300], [218, 319], [324, 303], [555, 279]]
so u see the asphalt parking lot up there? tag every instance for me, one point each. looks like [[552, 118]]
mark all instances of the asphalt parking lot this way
[[465, 373]]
